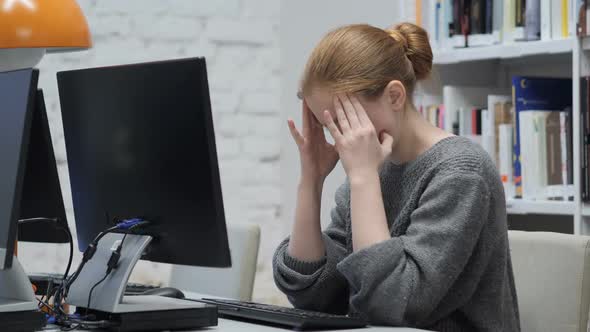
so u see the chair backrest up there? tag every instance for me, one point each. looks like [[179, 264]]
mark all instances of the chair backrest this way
[[236, 282], [552, 276]]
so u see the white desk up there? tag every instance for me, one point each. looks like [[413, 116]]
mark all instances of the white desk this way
[[228, 325]]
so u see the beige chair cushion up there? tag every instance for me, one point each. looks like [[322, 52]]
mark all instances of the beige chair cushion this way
[[236, 282], [552, 276]]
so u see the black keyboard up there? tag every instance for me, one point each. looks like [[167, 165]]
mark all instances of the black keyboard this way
[[291, 317]]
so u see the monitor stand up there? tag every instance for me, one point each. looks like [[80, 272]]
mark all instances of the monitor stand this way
[[18, 306], [136, 312]]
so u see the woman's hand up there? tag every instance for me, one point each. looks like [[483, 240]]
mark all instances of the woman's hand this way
[[361, 151], [317, 156]]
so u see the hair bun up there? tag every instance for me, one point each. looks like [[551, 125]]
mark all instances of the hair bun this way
[[416, 45]]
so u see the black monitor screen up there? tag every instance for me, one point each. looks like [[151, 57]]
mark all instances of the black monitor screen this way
[[140, 144], [41, 192], [17, 95]]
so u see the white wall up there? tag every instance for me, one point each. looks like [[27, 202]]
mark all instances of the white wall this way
[[239, 38], [303, 23]]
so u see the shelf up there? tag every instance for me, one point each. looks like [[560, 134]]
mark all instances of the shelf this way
[[501, 51], [519, 206]]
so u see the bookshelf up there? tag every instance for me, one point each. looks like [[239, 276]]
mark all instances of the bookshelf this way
[[492, 67], [504, 51], [520, 206]]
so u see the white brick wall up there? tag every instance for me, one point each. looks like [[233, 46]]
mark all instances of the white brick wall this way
[[239, 38]]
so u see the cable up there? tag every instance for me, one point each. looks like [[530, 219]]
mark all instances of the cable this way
[[71, 257], [111, 265], [92, 290]]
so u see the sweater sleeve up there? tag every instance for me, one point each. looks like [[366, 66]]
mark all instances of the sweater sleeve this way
[[316, 285], [401, 281]]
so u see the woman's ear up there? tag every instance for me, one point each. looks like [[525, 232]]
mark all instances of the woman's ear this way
[[395, 92]]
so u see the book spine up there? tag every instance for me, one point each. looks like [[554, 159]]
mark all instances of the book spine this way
[[556, 19], [584, 130], [584, 166], [519, 16], [474, 120], [545, 19], [486, 138], [508, 21], [419, 12], [516, 139], [532, 20], [505, 156], [489, 15], [564, 18], [563, 141], [580, 16]]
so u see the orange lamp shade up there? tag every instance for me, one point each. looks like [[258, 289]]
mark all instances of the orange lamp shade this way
[[49, 24]]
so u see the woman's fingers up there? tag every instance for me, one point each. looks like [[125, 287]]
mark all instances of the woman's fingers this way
[[295, 133], [334, 131], [350, 111], [342, 120], [360, 111]]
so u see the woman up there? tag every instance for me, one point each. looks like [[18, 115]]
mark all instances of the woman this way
[[418, 235]]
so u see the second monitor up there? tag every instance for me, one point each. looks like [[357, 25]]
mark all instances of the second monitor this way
[[140, 144]]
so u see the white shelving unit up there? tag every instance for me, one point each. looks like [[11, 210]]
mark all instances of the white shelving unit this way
[[493, 66], [520, 206], [503, 51]]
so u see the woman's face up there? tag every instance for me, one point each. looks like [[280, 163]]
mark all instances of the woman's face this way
[[384, 119]]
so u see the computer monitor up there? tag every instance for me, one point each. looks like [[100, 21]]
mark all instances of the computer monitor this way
[[140, 144], [17, 95], [41, 192], [18, 308]]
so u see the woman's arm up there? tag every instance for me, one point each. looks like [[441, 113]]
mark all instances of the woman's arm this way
[[317, 285], [306, 242], [369, 223]]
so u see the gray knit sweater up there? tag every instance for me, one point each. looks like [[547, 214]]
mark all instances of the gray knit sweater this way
[[447, 265]]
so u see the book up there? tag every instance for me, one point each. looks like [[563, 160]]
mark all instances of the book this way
[[505, 158], [519, 20], [565, 13], [486, 138], [556, 30], [532, 23], [566, 154], [499, 112], [580, 17], [545, 19], [476, 121], [477, 17], [465, 123], [534, 94], [555, 182], [584, 128], [508, 23]]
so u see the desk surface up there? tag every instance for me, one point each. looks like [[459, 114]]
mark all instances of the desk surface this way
[[226, 325]]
